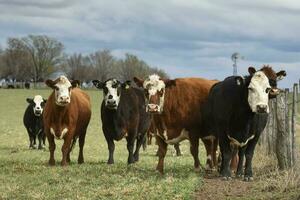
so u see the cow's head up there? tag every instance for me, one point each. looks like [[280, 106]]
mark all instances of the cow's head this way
[[111, 91], [37, 104], [154, 90], [272, 76], [62, 88], [258, 92]]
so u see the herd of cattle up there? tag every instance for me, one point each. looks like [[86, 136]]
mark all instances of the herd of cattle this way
[[231, 113]]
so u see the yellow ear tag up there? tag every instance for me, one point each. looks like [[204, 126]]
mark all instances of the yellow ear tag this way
[[127, 87]]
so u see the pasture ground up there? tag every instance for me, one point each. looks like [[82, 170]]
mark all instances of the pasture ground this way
[[24, 173]]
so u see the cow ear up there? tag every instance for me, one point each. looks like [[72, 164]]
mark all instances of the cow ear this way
[[29, 100], [45, 100], [239, 80], [50, 83], [75, 83], [169, 82], [251, 70], [126, 84], [139, 82], [280, 75], [98, 84]]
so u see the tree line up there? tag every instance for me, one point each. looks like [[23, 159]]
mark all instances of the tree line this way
[[36, 57]]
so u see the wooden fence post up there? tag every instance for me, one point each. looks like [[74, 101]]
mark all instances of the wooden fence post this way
[[287, 129], [282, 135], [294, 118]]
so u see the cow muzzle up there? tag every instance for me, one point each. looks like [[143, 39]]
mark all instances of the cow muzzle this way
[[262, 108], [111, 104], [153, 108], [37, 113], [274, 92], [63, 100]]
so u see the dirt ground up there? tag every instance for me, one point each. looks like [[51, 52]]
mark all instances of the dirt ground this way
[[215, 188]]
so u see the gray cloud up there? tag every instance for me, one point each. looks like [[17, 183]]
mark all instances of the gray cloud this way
[[183, 37]]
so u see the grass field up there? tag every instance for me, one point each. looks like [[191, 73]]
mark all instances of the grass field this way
[[24, 173]]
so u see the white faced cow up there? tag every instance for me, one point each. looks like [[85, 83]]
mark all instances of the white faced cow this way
[[33, 121], [66, 117]]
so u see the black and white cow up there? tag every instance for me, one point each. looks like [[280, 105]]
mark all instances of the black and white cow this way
[[237, 111], [123, 114], [33, 121]]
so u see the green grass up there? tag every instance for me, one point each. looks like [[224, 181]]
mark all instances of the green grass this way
[[24, 173]]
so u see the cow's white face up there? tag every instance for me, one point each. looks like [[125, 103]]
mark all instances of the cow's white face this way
[[258, 93], [38, 105], [112, 93], [62, 89], [154, 89]]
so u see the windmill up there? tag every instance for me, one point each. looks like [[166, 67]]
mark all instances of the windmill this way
[[235, 57]]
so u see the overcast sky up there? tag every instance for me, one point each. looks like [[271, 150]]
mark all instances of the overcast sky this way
[[183, 37]]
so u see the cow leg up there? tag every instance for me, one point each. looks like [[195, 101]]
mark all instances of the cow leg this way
[[44, 137], [239, 171], [194, 148], [111, 149], [30, 140], [162, 150], [226, 157], [51, 149], [145, 143], [209, 146], [249, 152], [139, 142], [40, 141], [177, 149], [66, 150], [34, 141], [81, 144], [130, 145]]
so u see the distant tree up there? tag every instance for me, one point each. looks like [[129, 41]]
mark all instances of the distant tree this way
[[103, 63], [45, 53], [16, 64], [78, 67]]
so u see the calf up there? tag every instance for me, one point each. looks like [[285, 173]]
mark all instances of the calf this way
[[66, 117], [233, 109], [33, 121], [123, 114], [177, 106]]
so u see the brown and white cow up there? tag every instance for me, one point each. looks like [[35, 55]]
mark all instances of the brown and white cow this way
[[152, 132], [176, 105], [66, 116]]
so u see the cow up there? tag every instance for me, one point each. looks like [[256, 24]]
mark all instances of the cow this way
[[152, 132], [66, 117], [176, 106], [123, 114], [33, 121], [237, 111]]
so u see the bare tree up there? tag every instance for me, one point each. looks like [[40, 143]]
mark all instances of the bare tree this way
[[45, 52], [103, 63], [16, 64]]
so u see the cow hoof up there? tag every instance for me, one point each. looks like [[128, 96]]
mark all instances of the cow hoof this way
[[34, 146], [51, 162], [248, 179], [226, 178], [64, 163], [239, 175], [197, 169], [110, 162]]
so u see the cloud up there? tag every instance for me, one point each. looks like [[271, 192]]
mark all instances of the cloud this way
[[183, 37]]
